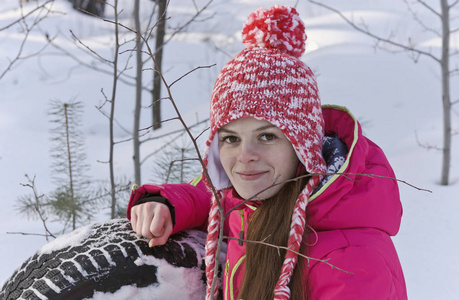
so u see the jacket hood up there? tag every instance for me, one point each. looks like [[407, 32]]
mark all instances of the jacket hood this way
[[364, 193]]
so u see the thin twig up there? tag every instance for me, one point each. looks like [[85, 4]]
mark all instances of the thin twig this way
[[202, 132], [117, 189], [21, 48], [162, 121], [176, 131], [378, 38], [23, 17], [181, 28], [430, 8], [206, 174], [89, 48], [454, 4], [25, 233], [346, 175], [81, 62], [426, 146], [99, 108], [37, 204], [308, 258], [420, 21], [191, 71]]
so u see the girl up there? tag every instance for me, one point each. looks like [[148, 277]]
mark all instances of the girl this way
[[267, 128]]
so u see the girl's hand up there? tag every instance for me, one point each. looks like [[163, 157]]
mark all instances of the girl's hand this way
[[152, 220]]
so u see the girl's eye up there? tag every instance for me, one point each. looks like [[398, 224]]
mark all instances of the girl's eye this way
[[267, 137], [230, 139]]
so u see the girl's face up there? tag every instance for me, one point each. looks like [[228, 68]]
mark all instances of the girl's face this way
[[256, 154]]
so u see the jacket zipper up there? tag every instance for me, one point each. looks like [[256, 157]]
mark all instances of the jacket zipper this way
[[227, 278], [239, 262], [241, 233]]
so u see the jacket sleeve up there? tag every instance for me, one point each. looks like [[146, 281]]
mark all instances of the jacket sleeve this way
[[363, 274], [191, 202]]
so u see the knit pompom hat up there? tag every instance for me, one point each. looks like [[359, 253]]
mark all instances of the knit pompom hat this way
[[268, 81]]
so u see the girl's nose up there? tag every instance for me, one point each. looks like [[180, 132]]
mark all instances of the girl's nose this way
[[248, 152]]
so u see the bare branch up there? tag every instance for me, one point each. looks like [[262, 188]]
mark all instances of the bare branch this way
[[18, 56], [423, 3], [196, 147], [425, 145], [28, 30], [456, 52], [308, 258], [112, 112], [89, 49], [23, 17], [378, 38], [114, 120], [211, 43], [181, 28], [346, 175], [387, 177], [160, 21], [181, 133], [121, 76], [149, 29], [176, 131], [99, 108], [117, 189], [128, 139], [165, 145], [421, 22], [189, 72], [454, 72], [163, 121], [453, 4], [202, 132], [25, 233], [37, 205]]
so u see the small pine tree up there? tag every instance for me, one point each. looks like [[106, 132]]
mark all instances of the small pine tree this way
[[76, 198], [69, 164], [67, 204]]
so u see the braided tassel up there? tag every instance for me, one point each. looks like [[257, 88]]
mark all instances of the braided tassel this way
[[211, 248], [282, 291]]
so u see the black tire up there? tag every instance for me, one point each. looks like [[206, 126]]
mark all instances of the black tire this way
[[105, 258]]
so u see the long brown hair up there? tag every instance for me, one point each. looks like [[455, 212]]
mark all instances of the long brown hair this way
[[271, 223]]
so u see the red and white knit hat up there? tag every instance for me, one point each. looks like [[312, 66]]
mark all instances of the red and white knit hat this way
[[268, 81]]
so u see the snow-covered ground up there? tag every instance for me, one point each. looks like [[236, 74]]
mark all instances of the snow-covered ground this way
[[397, 101]]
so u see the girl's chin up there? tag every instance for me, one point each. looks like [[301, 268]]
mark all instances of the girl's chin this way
[[255, 195]]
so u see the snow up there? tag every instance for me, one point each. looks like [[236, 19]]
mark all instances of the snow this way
[[169, 291], [168, 285], [66, 240], [397, 101]]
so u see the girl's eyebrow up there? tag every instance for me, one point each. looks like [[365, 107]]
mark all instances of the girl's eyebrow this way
[[225, 130], [256, 130], [265, 127]]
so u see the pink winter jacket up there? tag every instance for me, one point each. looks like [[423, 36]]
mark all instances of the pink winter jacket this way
[[352, 217]]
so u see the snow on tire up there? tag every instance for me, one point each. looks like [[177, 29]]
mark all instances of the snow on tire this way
[[109, 261]]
